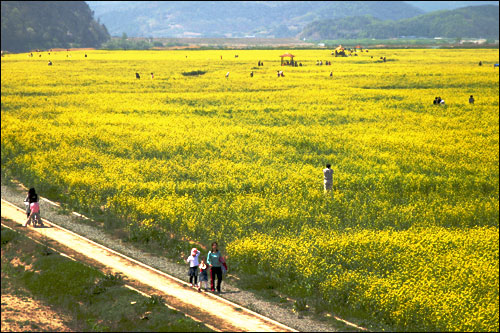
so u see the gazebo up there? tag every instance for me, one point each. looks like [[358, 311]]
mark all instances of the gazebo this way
[[287, 55]]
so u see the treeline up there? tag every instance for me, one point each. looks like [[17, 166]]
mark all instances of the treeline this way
[[28, 25], [124, 43], [477, 21]]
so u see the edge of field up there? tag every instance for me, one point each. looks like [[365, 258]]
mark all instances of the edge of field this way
[[257, 297], [30, 274]]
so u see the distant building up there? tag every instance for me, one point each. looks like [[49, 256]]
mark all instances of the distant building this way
[[473, 41], [321, 44]]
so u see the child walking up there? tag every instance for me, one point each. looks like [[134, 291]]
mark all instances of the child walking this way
[[193, 266], [203, 275]]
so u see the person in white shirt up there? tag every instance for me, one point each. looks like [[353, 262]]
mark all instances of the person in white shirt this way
[[193, 266], [328, 178]]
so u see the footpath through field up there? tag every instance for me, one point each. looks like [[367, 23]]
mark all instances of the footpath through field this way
[[208, 308]]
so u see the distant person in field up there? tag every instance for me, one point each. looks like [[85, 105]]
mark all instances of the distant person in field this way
[[50, 63], [279, 74], [471, 99], [137, 76], [33, 209], [251, 74], [192, 260], [480, 63], [227, 75], [203, 274], [441, 101], [152, 76], [215, 262], [328, 178], [435, 102], [331, 74]]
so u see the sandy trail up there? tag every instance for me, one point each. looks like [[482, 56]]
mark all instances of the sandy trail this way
[[215, 311]]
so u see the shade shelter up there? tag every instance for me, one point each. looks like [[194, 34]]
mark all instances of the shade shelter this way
[[287, 55]]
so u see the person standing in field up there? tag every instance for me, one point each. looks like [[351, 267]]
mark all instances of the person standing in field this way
[[328, 178], [471, 99], [215, 263], [192, 260]]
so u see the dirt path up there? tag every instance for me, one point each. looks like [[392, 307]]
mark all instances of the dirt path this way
[[215, 311]]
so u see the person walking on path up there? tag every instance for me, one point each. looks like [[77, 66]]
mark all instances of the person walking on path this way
[[328, 178], [193, 266], [203, 274], [33, 207], [215, 263]]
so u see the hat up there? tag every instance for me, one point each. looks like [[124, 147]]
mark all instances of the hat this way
[[194, 251]]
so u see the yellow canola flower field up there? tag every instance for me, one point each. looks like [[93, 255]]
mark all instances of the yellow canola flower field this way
[[408, 235]]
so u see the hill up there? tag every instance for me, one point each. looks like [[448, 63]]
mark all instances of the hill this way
[[234, 18], [28, 25], [476, 21], [430, 6]]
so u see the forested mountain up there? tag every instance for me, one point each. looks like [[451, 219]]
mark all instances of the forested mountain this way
[[28, 25], [477, 21], [430, 6], [234, 18]]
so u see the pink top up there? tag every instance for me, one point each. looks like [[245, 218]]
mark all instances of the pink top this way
[[35, 207]]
